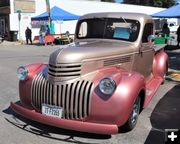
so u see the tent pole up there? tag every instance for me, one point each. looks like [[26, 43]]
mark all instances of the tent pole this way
[[49, 13], [60, 28]]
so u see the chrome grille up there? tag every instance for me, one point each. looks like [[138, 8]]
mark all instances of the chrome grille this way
[[75, 98], [117, 60], [64, 70]]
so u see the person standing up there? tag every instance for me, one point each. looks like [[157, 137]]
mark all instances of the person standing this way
[[47, 30], [165, 30], [28, 34], [42, 33], [178, 36]]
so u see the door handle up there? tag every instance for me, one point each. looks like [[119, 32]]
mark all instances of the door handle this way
[[140, 50]]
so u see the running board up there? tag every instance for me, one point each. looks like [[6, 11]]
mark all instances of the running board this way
[[151, 88]]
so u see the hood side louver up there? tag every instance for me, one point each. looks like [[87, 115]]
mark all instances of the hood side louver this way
[[117, 60]]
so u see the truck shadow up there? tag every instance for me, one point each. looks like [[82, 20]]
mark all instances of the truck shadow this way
[[166, 115], [174, 61], [171, 47], [50, 131]]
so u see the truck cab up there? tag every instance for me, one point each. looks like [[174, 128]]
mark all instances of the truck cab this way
[[126, 33]]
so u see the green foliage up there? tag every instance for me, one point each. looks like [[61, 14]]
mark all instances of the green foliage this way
[[154, 3], [108, 0]]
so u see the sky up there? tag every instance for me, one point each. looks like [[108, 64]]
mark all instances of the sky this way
[[119, 1]]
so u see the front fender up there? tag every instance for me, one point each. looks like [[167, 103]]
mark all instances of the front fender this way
[[116, 108], [25, 86]]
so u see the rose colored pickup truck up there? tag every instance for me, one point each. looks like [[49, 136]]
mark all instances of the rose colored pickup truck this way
[[101, 82]]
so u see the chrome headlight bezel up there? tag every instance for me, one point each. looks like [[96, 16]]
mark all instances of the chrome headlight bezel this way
[[107, 86], [22, 73]]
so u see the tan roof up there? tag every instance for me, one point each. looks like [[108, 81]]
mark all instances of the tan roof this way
[[136, 16]]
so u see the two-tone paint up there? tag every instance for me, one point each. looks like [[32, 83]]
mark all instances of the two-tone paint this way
[[137, 68]]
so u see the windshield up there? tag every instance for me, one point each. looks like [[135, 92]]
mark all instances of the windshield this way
[[108, 28]]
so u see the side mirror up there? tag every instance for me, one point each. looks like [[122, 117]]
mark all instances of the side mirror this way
[[151, 38]]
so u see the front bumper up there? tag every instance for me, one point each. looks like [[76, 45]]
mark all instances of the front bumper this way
[[64, 123]]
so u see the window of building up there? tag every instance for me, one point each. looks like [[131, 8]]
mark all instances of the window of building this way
[[4, 3]]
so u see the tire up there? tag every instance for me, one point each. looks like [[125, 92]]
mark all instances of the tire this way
[[165, 73], [132, 120]]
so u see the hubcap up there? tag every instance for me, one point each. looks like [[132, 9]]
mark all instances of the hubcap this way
[[135, 112]]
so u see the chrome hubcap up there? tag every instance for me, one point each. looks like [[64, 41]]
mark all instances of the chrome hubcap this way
[[135, 113]]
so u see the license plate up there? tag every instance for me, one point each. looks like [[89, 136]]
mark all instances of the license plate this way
[[51, 110]]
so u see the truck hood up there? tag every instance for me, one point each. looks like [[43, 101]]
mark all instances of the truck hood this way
[[80, 51]]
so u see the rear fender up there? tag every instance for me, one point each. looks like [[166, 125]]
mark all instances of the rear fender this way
[[160, 64]]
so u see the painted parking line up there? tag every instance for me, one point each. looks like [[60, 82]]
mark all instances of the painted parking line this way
[[174, 75]]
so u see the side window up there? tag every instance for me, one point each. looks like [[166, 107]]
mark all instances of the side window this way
[[83, 30], [148, 30]]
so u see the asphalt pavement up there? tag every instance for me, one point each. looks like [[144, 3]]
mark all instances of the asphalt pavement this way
[[163, 111], [174, 62]]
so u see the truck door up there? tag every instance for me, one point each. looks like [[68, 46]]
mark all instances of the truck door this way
[[146, 54]]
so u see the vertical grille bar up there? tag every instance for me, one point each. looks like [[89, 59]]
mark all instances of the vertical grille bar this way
[[63, 98], [47, 93], [50, 94], [81, 99], [72, 101], [89, 99], [37, 92], [59, 95], [40, 91], [61, 104], [33, 90], [84, 104], [86, 99], [43, 91], [68, 98], [54, 95], [57, 100], [77, 100]]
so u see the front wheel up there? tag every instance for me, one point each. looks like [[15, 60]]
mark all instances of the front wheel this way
[[132, 120]]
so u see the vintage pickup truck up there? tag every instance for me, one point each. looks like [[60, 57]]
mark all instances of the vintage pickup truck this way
[[101, 82]]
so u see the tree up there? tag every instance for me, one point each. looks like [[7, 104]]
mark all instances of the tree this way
[[168, 3], [108, 0], [155, 3]]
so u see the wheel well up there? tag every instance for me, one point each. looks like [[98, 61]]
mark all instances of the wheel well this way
[[167, 66], [142, 96]]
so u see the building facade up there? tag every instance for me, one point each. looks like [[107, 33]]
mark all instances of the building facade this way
[[4, 17], [15, 15]]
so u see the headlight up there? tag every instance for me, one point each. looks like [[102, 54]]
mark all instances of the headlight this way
[[22, 73], [107, 86]]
